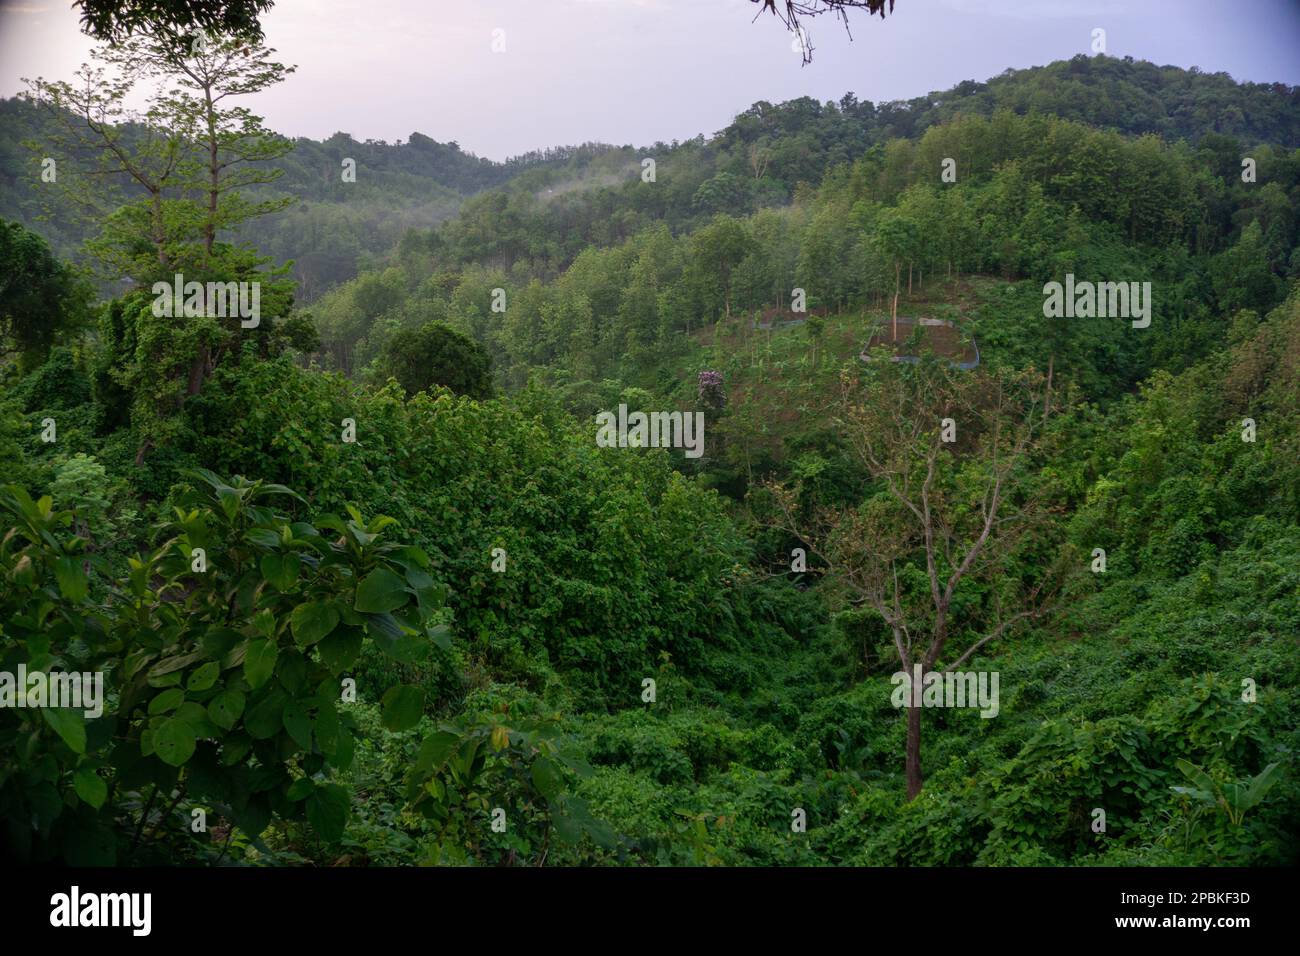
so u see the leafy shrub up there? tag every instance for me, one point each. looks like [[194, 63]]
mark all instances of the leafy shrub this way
[[221, 651]]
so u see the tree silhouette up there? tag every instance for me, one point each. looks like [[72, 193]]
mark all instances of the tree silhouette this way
[[114, 20], [791, 13]]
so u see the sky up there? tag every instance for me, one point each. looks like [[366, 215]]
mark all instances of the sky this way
[[640, 71]]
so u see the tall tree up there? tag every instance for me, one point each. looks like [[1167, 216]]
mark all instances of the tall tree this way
[[191, 151], [193, 155], [234, 144], [953, 544], [716, 250], [113, 157]]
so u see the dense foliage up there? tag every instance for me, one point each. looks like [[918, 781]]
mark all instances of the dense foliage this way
[[364, 589]]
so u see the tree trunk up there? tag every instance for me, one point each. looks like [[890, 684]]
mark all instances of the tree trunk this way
[[1047, 394], [897, 268], [198, 372], [159, 229], [214, 179], [913, 751]]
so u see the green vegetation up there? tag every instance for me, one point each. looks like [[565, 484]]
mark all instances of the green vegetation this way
[[438, 355], [363, 589]]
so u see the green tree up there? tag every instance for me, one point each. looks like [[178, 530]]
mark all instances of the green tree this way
[[436, 354], [1241, 276], [227, 145], [716, 250], [41, 298], [937, 549]]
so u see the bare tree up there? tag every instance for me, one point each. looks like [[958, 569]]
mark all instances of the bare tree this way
[[953, 543], [792, 13]]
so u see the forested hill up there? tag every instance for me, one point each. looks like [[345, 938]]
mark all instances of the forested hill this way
[[1130, 96], [828, 197], [364, 577], [335, 228]]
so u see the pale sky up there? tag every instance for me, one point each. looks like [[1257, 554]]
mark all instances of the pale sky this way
[[637, 71]]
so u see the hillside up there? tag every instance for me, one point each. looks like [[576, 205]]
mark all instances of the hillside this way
[[370, 588], [335, 229]]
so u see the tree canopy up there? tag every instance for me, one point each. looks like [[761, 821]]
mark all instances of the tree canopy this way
[[116, 20]]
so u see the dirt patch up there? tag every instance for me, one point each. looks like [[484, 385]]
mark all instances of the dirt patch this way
[[916, 336]]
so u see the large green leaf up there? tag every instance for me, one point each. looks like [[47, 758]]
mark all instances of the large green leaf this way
[[281, 569], [567, 829], [298, 724], [167, 700], [259, 662], [90, 786], [196, 715], [263, 538], [402, 707], [1196, 775], [327, 811], [203, 677], [328, 728], [1259, 786], [379, 591], [254, 816], [169, 665], [174, 742], [226, 708], [311, 622], [220, 641], [392, 639], [440, 634], [434, 751], [265, 718], [573, 819], [69, 725], [71, 575], [547, 778], [340, 649]]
